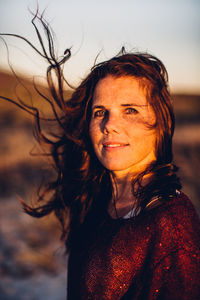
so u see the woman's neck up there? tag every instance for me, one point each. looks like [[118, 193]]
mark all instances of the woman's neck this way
[[123, 199]]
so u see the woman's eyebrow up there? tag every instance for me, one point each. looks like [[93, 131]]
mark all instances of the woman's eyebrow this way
[[123, 105], [134, 104], [98, 106]]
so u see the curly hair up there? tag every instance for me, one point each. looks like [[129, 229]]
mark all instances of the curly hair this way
[[83, 187]]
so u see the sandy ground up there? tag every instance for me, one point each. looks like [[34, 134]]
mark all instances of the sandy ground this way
[[32, 261]]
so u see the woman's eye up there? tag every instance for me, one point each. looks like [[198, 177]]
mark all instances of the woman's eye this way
[[99, 113], [131, 110]]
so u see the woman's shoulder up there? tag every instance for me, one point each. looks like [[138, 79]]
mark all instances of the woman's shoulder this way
[[178, 210], [176, 223], [172, 225]]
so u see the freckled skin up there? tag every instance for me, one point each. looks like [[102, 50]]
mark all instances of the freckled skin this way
[[119, 133]]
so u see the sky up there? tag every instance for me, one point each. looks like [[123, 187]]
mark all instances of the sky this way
[[168, 29]]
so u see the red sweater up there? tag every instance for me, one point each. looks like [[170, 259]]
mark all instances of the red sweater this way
[[153, 256]]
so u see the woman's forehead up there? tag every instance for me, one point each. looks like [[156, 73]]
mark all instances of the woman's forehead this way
[[122, 89]]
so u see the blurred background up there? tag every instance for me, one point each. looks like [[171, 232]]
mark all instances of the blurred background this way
[[32, 261]]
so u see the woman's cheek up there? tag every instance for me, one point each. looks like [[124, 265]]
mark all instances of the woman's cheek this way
[[94, 131]]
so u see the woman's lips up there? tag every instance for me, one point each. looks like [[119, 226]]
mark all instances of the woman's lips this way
[[114, 145]]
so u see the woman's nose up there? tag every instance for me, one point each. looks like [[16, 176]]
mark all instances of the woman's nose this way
[[111, 123]]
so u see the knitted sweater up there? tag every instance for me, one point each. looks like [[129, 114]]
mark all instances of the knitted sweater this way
[[153, 256]]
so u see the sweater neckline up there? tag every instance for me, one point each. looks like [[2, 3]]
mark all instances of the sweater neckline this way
[[130, 215], [153, 203]]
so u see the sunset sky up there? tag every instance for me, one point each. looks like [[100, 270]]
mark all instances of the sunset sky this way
[[169, 29]]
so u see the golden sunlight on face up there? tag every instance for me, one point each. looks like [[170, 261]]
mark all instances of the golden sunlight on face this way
[[119, 130]]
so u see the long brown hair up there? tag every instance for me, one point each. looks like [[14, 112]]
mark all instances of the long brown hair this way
[[82, 189]]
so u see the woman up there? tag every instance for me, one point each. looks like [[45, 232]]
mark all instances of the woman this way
[[129, 230], [140, 236]]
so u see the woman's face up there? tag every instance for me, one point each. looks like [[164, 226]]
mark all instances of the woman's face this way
[[119, 131]]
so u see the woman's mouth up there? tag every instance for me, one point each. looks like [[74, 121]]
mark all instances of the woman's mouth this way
[[113, 145]]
